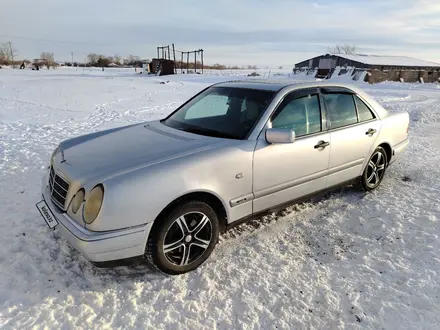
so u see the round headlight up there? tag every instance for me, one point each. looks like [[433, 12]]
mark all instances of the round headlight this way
[[93, 204], [77, 201]]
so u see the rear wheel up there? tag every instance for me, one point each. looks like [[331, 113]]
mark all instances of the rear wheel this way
[[375, 170], [183, 238]]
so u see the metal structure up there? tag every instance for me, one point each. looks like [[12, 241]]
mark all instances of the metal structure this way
[[188, 54], [164, 53]]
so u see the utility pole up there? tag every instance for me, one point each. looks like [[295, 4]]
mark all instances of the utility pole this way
[[174, 57], [72, 59], [181, 62], [12, 54], [201, 50]]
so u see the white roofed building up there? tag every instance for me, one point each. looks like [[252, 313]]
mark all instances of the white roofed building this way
[[380, 67]]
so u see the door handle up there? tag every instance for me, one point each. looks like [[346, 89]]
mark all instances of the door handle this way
[[370, 132], [322, 144]]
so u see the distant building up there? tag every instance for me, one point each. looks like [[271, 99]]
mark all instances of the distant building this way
[[379, 67]]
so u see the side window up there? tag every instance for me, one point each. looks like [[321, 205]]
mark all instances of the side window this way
[[303, 115], [341, 109], [211, 105], [363, 111]]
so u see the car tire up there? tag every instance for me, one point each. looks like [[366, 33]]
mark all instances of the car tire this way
[[374, 171], [183, 238]]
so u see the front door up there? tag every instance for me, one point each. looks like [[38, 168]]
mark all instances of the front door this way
[[285, 172], [353, 131]]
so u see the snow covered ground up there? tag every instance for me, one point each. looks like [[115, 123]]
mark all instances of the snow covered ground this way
[[349, 260]]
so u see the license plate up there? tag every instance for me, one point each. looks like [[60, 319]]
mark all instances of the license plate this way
[[47, 214]]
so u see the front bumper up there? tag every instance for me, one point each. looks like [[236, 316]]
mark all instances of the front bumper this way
[[100, 246]]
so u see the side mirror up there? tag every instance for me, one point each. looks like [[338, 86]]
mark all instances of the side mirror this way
[[279, 135]]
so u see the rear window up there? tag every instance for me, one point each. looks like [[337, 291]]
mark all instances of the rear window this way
[[363, 111]]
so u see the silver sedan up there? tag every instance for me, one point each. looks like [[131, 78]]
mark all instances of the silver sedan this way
[[164, 190]]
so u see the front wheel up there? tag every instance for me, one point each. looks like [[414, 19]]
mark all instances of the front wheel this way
[[375, 170], [183, 238]]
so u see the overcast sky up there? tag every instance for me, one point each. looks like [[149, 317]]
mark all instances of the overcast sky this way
[[269, 32]]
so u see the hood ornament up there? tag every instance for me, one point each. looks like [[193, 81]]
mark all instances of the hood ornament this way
[[63, 159]]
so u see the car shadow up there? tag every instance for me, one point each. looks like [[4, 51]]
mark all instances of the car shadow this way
[[140, 269], [267, 219]]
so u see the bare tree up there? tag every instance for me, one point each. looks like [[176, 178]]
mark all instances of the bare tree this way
[[117, 59], [132, 60], [48, 59], [103, 61], [343, 49], [4, 54], [219, 66], [7, 54], [93, 58]]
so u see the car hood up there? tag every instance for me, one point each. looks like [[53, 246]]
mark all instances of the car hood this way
[[120, 149]]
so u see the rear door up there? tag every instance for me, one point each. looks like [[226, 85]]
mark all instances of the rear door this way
[[353, 130]]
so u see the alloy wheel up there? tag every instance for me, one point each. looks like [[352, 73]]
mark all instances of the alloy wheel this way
[[187, 238], [375, 169]]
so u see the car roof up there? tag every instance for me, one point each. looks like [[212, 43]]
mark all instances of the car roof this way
[[278, 84], [268, 85]]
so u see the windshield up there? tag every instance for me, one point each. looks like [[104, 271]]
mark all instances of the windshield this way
[[222, 112]]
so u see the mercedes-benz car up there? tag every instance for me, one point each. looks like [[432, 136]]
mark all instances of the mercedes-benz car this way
[[164, 190]]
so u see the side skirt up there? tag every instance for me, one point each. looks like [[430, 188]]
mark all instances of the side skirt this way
[[290, 203]]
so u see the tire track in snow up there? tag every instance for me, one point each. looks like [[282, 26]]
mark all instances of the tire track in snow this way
[[39, 105]]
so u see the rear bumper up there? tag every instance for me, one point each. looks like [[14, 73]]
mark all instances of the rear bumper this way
[[100, 246], [398, 149]]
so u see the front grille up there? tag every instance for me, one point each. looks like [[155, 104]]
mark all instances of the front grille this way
[[58, 188]]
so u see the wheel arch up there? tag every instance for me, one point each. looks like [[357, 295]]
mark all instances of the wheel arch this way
[[388, 150], [202, 196]]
